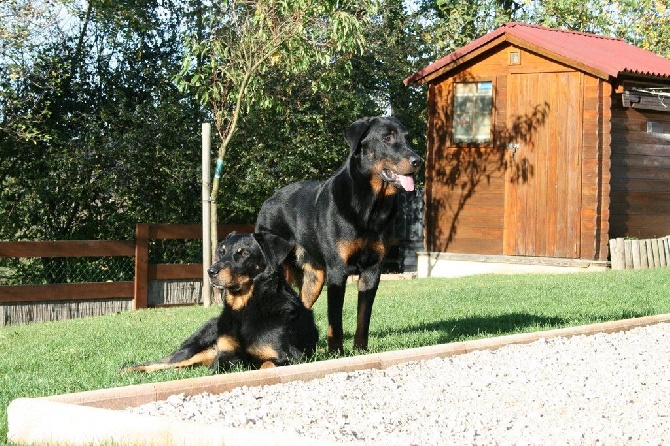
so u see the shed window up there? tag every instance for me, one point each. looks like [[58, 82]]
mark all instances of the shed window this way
[[473, 104]]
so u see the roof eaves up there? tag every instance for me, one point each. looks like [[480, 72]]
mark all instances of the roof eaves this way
[[645, 74], [456, 58]]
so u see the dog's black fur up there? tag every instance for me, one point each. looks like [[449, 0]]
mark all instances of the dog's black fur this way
[[263, 322], [338, 225]]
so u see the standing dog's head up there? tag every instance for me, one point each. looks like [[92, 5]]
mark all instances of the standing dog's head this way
[[380, 143], [240, 259]]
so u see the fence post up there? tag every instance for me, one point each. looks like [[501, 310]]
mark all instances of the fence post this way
[[617, 253], [635, 248], [657, 253], [661, 253], [206, 212], [644, 260], [628, 254], [141, 265]]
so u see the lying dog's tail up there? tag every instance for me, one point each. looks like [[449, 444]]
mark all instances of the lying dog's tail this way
[[201, 348]]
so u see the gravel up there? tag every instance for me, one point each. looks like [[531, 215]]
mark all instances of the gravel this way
[[607, 389]]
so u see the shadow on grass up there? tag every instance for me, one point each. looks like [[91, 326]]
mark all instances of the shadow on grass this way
[[452, 330], [459, 329]]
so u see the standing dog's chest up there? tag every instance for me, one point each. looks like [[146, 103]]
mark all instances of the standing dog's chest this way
[[361, 252]]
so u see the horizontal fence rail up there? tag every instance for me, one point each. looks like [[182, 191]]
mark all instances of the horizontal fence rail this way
[[65, 291], [640, 254], [68, 248]]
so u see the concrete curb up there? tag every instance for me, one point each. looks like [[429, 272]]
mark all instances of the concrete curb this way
[[97, 416]]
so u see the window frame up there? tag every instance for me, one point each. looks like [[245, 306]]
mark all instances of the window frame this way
[[475, 135]]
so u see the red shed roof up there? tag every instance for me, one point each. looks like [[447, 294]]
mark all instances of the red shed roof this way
[[605, 57]]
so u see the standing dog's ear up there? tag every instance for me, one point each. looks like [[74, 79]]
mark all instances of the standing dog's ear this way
[[355, 132], [275, 249]]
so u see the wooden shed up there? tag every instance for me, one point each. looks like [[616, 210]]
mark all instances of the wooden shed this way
[[541, 145]]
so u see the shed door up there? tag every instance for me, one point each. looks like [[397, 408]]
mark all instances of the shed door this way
[[543, 178]]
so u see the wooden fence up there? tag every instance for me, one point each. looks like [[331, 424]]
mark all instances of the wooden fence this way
[[26, 303], [640, 254]]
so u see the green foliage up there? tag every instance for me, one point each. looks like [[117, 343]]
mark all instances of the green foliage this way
[[576, 15], [645, 23], [461, 21], [294, 139], [86, 354], [228, 63], [112, 134]]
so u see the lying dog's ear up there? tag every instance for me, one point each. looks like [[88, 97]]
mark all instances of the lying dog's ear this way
[[355, 132], [275, 249]]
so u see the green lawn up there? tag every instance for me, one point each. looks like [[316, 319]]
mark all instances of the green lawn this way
[[71, 356]]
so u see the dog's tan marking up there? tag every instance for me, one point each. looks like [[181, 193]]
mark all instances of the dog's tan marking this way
[[227, 344], [264, 352], [238, 299], [378, 184], [379, 247], [347, 248], [312, 284], [205, 357]]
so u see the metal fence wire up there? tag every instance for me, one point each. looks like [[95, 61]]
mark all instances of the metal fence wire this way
[[177, 251], [49, 270]]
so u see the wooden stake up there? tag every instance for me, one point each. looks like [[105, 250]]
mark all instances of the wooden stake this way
[[206, 209]]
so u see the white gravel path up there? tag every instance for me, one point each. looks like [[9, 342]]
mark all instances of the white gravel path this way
[[604, 389]]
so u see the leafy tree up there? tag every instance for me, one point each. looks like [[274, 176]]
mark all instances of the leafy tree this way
[[460, 21], [245, 42], [299, 137], [116, 138], [645, 23], [20, 22]]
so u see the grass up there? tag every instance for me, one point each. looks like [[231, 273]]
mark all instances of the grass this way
[[71, 356]]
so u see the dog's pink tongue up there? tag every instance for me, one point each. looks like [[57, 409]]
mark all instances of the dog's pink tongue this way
[[406, 182]]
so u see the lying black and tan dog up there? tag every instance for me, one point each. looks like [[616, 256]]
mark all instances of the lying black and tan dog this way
[[338, 225], [263, 322]]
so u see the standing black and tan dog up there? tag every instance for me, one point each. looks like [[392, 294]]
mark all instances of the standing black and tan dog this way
[[263, 322], [338, 225]]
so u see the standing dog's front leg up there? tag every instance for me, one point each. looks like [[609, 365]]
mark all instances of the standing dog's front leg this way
[[368, 282], [335, 303]]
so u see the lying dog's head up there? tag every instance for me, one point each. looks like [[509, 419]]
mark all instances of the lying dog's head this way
[[240, 259], [381, 145]]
